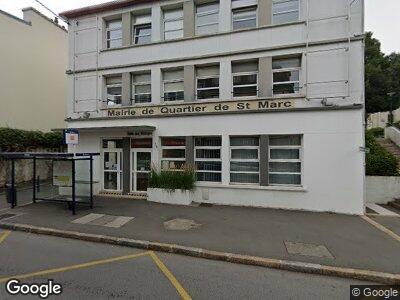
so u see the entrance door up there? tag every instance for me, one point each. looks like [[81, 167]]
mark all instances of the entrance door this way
[[112, 170], [140, 169]]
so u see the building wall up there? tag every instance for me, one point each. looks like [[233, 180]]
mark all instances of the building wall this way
[[33, 83]]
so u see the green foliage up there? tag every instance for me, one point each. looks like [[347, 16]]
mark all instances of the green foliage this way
[[397, 125], [170, 180], [23, 140], [377, 132], [379, 162], [382, 76]]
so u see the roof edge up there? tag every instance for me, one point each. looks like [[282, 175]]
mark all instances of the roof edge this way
[[44, 17]]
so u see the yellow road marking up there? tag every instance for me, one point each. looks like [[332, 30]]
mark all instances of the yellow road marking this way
[[4, 235], [381, 228], [170, 277], [74, 267]]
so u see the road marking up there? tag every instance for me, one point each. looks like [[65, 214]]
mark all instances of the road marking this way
[[88, 218], [170, 277], [381, 228], [118, 222], [74, 267], [4, 235]]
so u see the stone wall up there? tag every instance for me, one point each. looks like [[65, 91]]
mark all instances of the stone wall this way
[[381, 189]]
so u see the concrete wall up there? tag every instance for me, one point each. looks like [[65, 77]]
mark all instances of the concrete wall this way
[[33, 83], [380, 119], [393, 134], [381, 190]]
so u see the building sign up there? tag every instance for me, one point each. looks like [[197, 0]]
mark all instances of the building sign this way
[[71, 136], [201, 108]]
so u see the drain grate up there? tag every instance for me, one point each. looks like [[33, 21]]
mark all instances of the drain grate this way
[[6, 216]]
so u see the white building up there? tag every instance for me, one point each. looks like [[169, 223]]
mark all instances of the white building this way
[[265, 98]]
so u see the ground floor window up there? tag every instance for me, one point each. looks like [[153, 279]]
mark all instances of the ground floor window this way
[[244, 160], [173, 157], [285, 160], [208, 159]]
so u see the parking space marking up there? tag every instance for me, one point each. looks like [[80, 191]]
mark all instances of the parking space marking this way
[[381, 228], [74, 267], [4, 235], [170, 277]]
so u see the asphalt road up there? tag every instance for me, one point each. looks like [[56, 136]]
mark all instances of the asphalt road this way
[[99, 271]]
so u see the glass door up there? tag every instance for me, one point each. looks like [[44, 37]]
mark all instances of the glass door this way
[[140, 169], [112, 170]]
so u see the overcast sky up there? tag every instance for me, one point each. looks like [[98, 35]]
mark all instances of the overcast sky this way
[[382, 16]]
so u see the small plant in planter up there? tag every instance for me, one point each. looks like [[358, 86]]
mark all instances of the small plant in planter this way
[[172, 187]]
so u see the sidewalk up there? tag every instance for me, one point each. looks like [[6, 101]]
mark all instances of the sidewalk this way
[[339, 240]]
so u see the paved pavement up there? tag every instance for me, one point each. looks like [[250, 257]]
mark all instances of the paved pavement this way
[[98, 271], [322, 238]]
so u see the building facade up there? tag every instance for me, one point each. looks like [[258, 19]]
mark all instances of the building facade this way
[[33, 83], [264, 97]]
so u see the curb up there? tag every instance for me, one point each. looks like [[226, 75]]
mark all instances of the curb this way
[[310, 268]]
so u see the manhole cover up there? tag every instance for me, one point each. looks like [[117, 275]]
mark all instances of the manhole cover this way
[[181, 224], [6, 216], [308, 249]]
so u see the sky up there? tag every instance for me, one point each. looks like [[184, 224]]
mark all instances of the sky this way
[[382, 16]]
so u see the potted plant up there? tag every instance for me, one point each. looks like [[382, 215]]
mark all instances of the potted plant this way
[[172, 187]]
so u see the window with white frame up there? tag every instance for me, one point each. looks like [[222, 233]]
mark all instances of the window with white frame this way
[[245, 160], [207, 18], [207, 82], [244, 14], [173, 24], [245, 79], [173, 85], [141, 29], [141, 88], [207, 158], [173, 157], [285, 160], [114, 90], [114, 33], [286, 76], [285, 11]]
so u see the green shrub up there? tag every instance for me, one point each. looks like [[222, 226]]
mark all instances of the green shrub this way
[[397, 125], [24, 140], [377, 132], [173, 180], [379, 162]]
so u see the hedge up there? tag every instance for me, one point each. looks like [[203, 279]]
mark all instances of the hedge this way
[[379, 162], [377, 132], [23, 140]]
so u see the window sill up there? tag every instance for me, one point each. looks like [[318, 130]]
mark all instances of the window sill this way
[[252, 187]]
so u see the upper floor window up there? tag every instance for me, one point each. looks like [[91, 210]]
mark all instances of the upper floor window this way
[[114, 33], [141, 29], [244, 14], [114, 90], [286, 76], [285, 160], [207, 82], [173, 85], [285, 11], [141, 88], [207, 18], [208, 159], [245, 78], [173, 24]]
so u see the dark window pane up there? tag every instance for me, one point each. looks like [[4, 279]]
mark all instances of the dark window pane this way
[[173, 96], [244, 153], [208, 94], [245, 91], [245, 141], [209, 177], [208, 141], [245, 79], [144, 98], [208, 165], [207, 82], [285, 140], [285, 179], [171, 142], [173, 153], [244, 178], [288, 88], [208, 153], [285, 154], [285, 167], [244, 166], [286, 76]]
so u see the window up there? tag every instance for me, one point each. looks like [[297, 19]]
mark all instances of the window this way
[[207, 158], [173, 153], [114, 33], [173, 24], [142, 29], [114, 90], [173, 85], [244, 14], [285, 160], [245, 160], [286, 76], [141, 88], [207, 82], [245, 79], [207, 18], [285, 11]]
